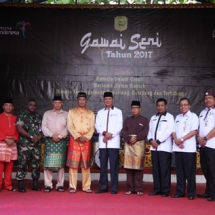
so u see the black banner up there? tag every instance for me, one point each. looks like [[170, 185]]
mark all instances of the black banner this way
[[138, 54]]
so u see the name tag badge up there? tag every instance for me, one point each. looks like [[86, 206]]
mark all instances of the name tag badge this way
[[140, 124], [206, 123]]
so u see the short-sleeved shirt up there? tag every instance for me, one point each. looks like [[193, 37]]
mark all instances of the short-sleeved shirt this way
[[184, 124], [31, 123]]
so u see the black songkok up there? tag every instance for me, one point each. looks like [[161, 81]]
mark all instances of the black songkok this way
[[8, 100], [135, 103], [108, 94], [82, 94], [57, 98]]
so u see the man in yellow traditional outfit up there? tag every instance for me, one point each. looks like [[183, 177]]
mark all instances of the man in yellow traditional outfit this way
[[134, 132], [81, 127]]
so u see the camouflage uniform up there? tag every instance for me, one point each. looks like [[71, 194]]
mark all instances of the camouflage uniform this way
[[26, 148]]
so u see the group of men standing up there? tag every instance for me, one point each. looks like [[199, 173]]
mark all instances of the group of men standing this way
[[163, 133]]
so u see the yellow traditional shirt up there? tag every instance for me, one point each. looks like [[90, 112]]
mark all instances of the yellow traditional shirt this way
[[81, 122]]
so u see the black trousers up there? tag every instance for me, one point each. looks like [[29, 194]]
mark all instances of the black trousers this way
[[207, 160], [113, 155], [134, 179], [186, 170], [161, 171]]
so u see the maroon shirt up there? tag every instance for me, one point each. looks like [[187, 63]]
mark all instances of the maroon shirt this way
[[135, 125]]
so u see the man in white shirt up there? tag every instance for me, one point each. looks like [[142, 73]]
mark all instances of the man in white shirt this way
[[206, 139], [184, 146], [159, 136], [108, 126]]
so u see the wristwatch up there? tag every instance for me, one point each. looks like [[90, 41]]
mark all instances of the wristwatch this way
[[205, 138], [182, 140], [31, 137]]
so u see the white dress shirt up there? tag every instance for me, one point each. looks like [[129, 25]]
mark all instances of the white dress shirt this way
[[206, 124], [184, 124], [114, 126], [163, 132]]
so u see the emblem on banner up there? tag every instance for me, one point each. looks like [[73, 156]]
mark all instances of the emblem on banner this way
[[21, 26], [120, 23]]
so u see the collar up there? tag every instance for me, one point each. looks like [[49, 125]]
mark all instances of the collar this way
[[187, 114], [111, 108], [162, 113], [136, 116], [61, 111]]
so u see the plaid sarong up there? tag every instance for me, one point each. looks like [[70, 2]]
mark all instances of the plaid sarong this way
[[79, 154], [54, 154]]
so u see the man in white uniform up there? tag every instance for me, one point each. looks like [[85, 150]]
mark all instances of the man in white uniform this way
[[206, 139], [184, 146], [159, 136], [108, 126]]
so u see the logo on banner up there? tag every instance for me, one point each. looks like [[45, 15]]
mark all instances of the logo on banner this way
[[21, 26], [120, 23]]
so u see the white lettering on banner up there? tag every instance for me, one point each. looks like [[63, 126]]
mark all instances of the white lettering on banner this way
[[144, 42], [136, 40], [8, 31]]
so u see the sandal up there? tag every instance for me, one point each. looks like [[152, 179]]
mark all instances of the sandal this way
[[129, 192], [60, 189], [88, 191], [139, 193], [12, 189], [72, 190], [48, 190]]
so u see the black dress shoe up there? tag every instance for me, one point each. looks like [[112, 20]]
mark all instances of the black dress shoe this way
[[211, 199], [177, 196], [191, 197], [165, 195], [114, 192], [154, 193], [101, 191], [205, 195]]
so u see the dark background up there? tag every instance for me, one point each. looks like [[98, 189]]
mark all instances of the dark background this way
[[47, 59]]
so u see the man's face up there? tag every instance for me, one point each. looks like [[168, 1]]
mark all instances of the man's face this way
[[161, 107], [135, 110], [184, 106], [209, 101], [57, 105], [31, 106], [82, 102], [8, 108], [108, 102]]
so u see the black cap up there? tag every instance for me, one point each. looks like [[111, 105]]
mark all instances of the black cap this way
[[8, 100], [57, 98], [209, 93], [108, 94], [135, 103], [82, 94]]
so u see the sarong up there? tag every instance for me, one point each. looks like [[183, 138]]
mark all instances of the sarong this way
[[134, 155], [79, 154], [7, 153], [54, 154]]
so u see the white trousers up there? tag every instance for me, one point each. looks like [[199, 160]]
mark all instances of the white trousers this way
[[48, 176]]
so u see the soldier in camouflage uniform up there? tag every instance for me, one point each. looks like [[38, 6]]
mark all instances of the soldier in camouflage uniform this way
[[29, 127]]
